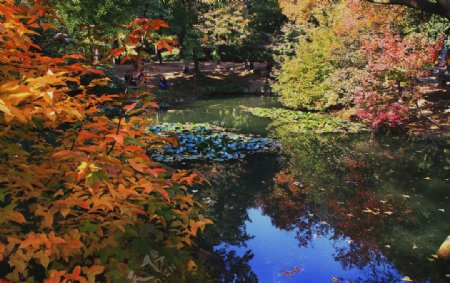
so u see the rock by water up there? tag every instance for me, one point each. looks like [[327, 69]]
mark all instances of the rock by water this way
[[444, 250]]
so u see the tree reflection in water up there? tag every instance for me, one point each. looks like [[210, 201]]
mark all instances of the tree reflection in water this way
[[234, 189], [381, 195]]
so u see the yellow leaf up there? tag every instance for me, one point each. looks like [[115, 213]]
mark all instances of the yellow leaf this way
[[44, 257], [64, 212], [92, 271], [104, 204], [48, 97], [19, 264], [4, 108], [18, 114], [48, 216], [191, 266], [194, 227], [406, 279], [48, 220]]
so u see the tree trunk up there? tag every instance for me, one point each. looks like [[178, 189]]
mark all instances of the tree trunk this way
[[91, 54], [91, 46], [186, 68], [159, 55], [400, 89], [196, 64]]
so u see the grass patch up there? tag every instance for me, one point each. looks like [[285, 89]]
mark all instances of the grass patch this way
[[298, 121]]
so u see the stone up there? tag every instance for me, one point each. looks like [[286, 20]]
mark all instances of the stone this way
[[444, 250]]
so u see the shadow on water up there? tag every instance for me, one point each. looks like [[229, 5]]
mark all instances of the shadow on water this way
[[326, 208]]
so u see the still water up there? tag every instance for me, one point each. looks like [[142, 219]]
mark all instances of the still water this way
[[324, 208], [224, 112]]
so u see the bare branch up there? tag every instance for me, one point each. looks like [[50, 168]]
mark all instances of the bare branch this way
[[439, 7]]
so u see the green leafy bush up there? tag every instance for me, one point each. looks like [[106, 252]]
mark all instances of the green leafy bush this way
[[302, 80]]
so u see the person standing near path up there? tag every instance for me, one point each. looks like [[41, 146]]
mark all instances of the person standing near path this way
[[163, 84], [128, 77], [137, 76]]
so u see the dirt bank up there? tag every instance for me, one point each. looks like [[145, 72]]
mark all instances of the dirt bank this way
[[227, 78]]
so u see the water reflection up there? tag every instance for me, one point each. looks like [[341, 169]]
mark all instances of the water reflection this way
[[344, 207], [224, 112], [276, 252], [327, 208]]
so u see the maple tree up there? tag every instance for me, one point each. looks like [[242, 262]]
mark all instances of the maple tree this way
[[76, 182], [373, 61], [394, 64]]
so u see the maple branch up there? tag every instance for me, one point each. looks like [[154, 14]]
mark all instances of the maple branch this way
[[117, 132], [439, 7], [76, 136], [122, 115]]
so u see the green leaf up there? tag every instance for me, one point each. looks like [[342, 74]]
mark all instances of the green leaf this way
[[88, 227]]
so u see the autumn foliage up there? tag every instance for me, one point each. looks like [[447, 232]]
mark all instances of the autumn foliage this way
[[75, 179], [389, 88], [373, 65]]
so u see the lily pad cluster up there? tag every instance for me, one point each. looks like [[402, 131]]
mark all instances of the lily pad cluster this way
[[207, 142], [299, 121]]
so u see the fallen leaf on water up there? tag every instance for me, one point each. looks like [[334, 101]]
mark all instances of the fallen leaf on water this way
[[407, 279], [368, 210], [292, 272]]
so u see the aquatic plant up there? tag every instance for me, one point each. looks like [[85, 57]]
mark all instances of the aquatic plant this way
[[206, 142], [298, 121]]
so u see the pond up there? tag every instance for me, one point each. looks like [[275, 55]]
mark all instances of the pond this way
[[222, 112], [323, 207]]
